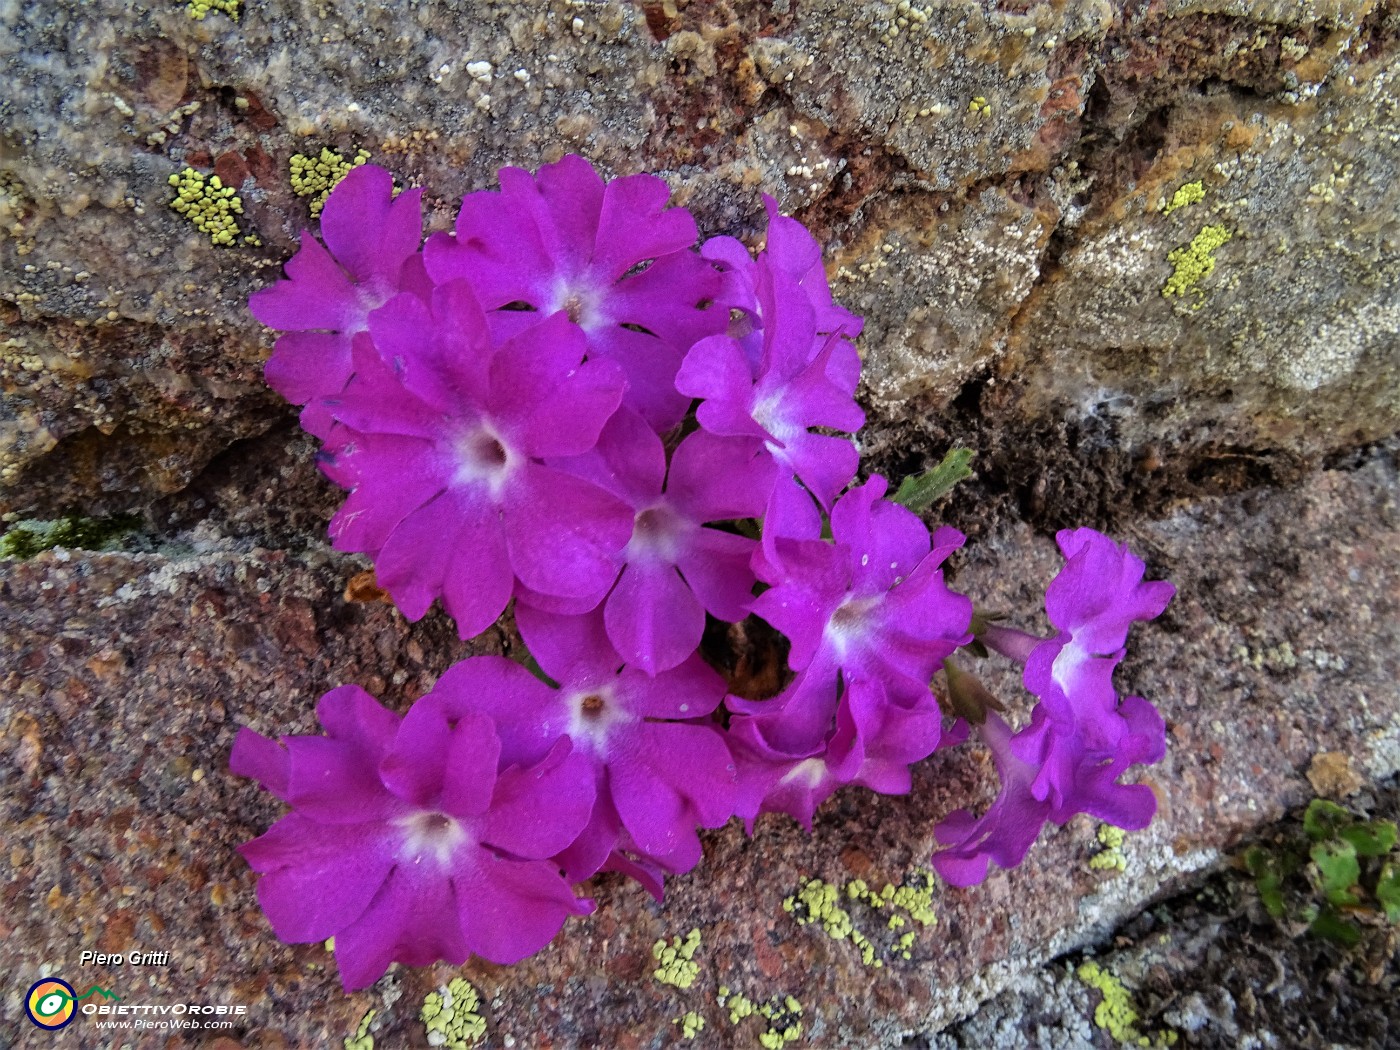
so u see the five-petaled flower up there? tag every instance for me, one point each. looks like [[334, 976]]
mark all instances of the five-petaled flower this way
[[414, 839]]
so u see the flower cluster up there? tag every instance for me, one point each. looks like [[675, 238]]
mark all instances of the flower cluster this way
[[565, 408]]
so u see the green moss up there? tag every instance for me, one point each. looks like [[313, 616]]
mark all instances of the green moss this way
[[675, 961], [451, 1016], [315, 177], [1116, 1013], [24, 539], [362, 1040], [1192, 263], [199, 9], [209, 205], [1191, 193]]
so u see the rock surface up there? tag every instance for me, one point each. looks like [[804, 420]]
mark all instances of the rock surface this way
[[129, 675], [1007, 190], [995, 180]]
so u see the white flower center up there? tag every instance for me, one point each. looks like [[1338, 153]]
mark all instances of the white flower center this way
[[655, 535], [809, 773], [429, 835], [768, 413], [592, 715], [483, 459], [577, 299], [850, 623]]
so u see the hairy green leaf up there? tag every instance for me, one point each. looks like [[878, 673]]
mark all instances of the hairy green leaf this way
[[1340, 870], [1324, 819], [922, 491]]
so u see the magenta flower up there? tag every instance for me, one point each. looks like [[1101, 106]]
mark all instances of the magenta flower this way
[[413, 840], [793, 250], [442, 441], [869, 610], [673, 570], [611, 256], [373, 239], [661, 769], [1006, 832], [1093, 601], [800, 381], [1081, 737]]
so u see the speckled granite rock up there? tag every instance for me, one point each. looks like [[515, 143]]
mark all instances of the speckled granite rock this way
[[126, 677], [988, 176]]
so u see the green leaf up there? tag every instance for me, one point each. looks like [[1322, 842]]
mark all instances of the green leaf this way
[[921, 492], [1375, 838], [1268, 875], [1324, 819], [1340, 870], [1333, 927], [1388, 891]]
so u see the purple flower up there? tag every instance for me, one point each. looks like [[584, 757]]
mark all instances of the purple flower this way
[[673, 570], [660, 768], [1006, 832], [1081, 737], [799, 380], [869, 613], [373, 239], [793, 250], [611, 256], [442, 439], [413, 840], [1093, 601]]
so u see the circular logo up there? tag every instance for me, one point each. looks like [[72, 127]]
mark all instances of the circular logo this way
[[51, 1003]]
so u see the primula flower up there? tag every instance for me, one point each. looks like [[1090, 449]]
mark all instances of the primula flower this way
[[371, 254], [414, 840], [800, 380], [564, 240], [673, 570], [442, 439], [1081, 738], [869, 619], [788, 247], [660, 769]]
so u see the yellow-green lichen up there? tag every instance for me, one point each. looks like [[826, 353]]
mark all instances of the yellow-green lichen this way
[[362, 1040], [691, 1024], [980, 108], [451, 1018], [675, 961], [819, 902], [783, 1015], [1190, 193], [315, 177], [199, 9], [1111, 857], [1116, 1013], [209, 205], [24, 539], [740, 1006], [1192, 263]]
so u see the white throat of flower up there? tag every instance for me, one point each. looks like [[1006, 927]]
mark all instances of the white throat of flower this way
[[850, 623], [483, 458], [579, 299], [656, 534], [430, 836], [593, 713], [809, 772], [768, 413]]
